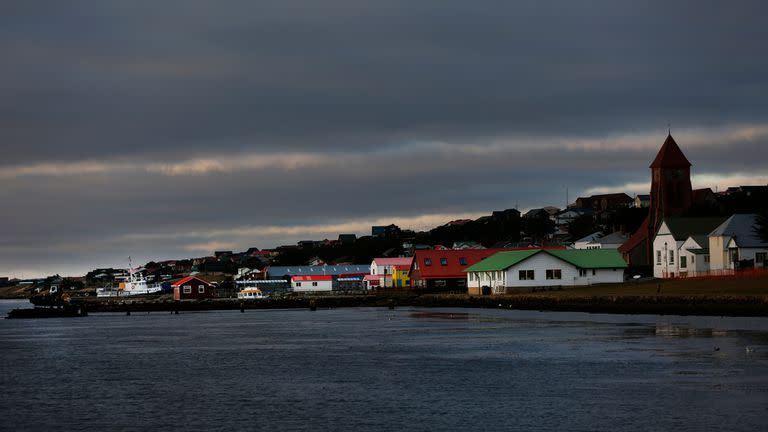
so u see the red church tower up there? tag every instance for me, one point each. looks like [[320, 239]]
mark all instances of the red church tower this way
[[671, 195]]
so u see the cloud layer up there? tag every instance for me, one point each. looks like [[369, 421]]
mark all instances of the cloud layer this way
[[295, 119]]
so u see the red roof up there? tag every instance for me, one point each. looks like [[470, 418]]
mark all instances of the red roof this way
[[188, 279], [394, 261], [670, 156], [636, 238], [447, 264], [312, 278]]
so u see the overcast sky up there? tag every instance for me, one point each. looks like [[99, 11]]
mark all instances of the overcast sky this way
[[167, 129]]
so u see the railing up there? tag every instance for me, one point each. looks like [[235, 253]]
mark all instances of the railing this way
[[752, 273]]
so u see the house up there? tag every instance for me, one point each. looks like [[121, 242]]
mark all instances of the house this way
[[734, 244], [381, 230], [604, 202], [600, 241], [541, 213], [192, 288], [400, 278], [312, 283], [509, 270], [567, 216], [505, 215], [670, 259], [443, 270], [347, 238], [285, 272], [467, 245], [382, 270]]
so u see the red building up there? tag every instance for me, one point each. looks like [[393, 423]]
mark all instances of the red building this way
[[443, 270], [192, 288]]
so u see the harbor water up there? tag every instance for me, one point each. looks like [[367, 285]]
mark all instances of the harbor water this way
[[374, 369]]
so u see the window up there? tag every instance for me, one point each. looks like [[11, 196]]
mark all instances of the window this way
[[427, 262], [693, 258], [187, 289], [526, 275], [439, 283], [461, 283], [658, 257], [594, 272], [683, 262], [201, 289], [760, 257], [298, 284], [706, 258], [554, 274], [463, 261], [582, 272], [671, 257], [314, 283], [443, 261]]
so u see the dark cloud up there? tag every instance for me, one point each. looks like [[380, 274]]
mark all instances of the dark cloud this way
[[413, 99]]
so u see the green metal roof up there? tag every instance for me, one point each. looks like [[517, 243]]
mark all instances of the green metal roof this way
[[502, 260], [590, 258], [581, 258]]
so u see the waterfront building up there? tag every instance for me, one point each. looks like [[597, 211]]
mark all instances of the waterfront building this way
[[192, 288], [443, 270], [510, 270], [678, 248], [734, 244], [382, 270], [312, 283]]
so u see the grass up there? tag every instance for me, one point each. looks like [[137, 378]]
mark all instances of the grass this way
[[671, 288]]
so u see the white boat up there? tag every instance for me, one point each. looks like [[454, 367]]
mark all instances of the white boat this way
[[250, 294], [135, 284]]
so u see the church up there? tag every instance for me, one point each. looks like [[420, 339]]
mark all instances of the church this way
[[671, 195]]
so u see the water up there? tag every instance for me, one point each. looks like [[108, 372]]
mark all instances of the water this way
[[375, 369]]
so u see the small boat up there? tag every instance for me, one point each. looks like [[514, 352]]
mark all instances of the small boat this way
[[250, 294]]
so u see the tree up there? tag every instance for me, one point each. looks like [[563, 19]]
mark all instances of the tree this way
[[761, 225], [582, 226]]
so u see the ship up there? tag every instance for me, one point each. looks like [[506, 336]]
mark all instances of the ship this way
[[135, 284]]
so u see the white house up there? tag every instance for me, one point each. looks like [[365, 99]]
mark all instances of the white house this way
[[545, 268], [675, 242], [734, 241], [312, 283], [599, 241]]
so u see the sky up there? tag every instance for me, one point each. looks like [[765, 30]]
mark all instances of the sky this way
[[170, 129]]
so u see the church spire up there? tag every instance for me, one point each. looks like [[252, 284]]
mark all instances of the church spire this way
[[670, 156]]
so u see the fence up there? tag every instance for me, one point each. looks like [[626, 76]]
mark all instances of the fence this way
[[751, 273]]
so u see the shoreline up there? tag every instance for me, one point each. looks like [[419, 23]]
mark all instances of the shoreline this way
[[747, 306]]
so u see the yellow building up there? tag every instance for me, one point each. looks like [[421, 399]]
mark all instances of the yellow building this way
[[400, 277]]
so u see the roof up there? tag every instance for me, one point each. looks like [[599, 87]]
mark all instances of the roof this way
[[188, 279], [581, 258], [741, 227], [393, 261], [312, 278], [453, 267], [684, 227], [613, 238], [590, 238], [334, 270], [637, 238], [670, 156]]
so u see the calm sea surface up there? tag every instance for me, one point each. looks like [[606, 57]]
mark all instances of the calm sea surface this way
[[374, 369]]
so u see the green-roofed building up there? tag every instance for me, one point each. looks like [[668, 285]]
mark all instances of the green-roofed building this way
[[506, 271]]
